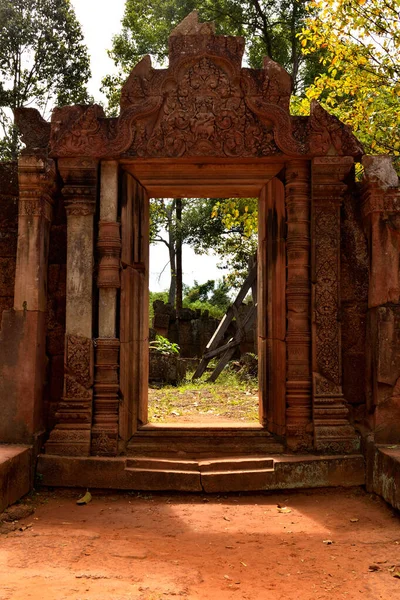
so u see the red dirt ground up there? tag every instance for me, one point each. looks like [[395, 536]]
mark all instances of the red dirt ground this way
[[153, 547]]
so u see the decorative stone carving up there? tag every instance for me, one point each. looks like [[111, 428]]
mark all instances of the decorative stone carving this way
[[34, 130], [329, 136], [298, 337], [332, 430], [71, 436], [204, 104], [106, 398], [37, 184], [109, 248], [80, 182]]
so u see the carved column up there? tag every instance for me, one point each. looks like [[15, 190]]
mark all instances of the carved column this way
[[298, 336], [332, 431], [72, 434], [106, 385], [23, 329]]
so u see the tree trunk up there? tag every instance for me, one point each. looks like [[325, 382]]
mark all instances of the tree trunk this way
[[179, 282], [172, 285], [172, 255]]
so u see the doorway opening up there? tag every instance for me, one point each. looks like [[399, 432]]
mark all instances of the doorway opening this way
[[203, 350], [215, 180]]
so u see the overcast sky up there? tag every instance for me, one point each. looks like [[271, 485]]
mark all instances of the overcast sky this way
[[101, 20]]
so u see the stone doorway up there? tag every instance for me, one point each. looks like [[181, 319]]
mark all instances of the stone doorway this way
[[207, 127], [202, 179]]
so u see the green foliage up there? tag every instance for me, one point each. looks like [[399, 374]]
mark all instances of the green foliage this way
[[270, 28], [43, 60], [215, 296], [230, 397], [164, 346], [238, 244], [360, 40]]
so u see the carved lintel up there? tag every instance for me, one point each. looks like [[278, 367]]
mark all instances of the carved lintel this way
[[109, 248], [106, 398], [298, 336], [72, 434], [205, 104], [37, 184], [332, 430]]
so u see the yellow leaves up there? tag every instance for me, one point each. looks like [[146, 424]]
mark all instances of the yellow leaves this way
[[303, 42]]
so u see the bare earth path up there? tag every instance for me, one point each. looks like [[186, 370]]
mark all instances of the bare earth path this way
[[153, 547]]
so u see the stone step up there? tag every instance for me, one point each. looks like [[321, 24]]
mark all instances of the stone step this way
[[218, 474], [159, 464], [229, 464], [237, 463], [188, 443]]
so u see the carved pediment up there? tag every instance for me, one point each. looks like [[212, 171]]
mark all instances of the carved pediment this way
[[204, 104]]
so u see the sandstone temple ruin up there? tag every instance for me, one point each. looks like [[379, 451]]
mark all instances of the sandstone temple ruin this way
[[74, 327]]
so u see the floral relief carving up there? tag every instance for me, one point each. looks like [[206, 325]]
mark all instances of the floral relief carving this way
[[204, 104], [326, 292]]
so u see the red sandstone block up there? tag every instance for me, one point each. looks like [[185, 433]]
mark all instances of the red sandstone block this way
[[15, 473]]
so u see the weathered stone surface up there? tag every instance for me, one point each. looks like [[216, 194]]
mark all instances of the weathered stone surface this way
[[8, 232], [289, 472], [380, 169], [22, 375], [384, 373], [166, 368], [15, 476], [34, 130], [354, 275]]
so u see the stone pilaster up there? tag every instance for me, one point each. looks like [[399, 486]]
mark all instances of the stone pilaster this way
[[381, 214], [106, 387], [332, 430], [23, 329], [72, 434], [298, 336]]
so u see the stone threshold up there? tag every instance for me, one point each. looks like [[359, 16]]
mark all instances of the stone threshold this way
[[228, 474], [166, 440], [15, 473]]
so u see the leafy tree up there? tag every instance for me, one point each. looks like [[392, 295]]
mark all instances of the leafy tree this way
[[271, 28], [42, 60], [195, 227], [226, 227], [361, 85], [214, 293]]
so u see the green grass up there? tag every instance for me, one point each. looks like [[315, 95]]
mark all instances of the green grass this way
[[230, 397]]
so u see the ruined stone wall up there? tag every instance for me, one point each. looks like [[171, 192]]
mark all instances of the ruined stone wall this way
[[381, 212], [194, 329], [56, 306], [8, 233], [354, 303]]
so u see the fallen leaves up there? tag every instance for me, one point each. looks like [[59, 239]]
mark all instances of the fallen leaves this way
[[284, 509], [85, 499]]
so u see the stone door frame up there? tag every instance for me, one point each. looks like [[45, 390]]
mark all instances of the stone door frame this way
[[205, 179]]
